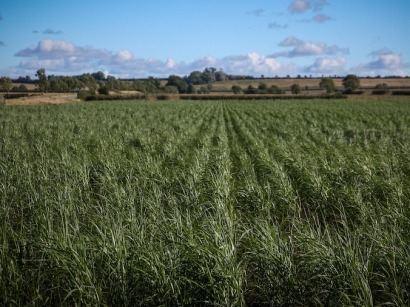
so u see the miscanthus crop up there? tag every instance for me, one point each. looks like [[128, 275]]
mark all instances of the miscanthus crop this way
[[275, 203]]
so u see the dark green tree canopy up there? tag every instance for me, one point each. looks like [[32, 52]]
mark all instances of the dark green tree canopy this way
[[42, 82], [179, 82], [327, 84], [295, 88], [6, 84], [351, 82]]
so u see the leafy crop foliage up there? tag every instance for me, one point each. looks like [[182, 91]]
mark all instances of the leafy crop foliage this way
[[206, 203]]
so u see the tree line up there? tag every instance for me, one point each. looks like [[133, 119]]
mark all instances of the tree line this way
[[196, 82]]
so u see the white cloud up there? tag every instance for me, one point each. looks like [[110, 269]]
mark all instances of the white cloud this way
[[123, 56], [49, 48], [256, 64], [307, 48], [385, 62], [327, 66], [66, 58], [170, 63], [63, 57]]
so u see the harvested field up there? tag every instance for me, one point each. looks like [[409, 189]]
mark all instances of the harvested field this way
[[47, 98]]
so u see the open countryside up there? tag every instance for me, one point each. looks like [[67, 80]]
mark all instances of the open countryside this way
[[230, 153]]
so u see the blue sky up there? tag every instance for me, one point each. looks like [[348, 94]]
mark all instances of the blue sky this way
[[132, 38]]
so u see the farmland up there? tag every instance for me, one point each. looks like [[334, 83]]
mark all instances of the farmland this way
[[206, 203]]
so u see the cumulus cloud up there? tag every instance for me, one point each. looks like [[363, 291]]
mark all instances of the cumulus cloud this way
[[327, 65], [51, 49], [307, 48], [302, 6], [385, 62], [123, 57], [63, 57]]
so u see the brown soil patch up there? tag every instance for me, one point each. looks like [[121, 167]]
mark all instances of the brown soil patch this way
[[48, 98]]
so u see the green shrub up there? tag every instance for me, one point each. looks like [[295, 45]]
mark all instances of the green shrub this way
[[84, 95], [404, 93], [163, 97], [104, 90], [353, 92]]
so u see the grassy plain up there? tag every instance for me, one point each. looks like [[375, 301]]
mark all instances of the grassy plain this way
[[206, 203]]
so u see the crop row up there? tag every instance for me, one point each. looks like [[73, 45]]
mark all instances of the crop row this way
[[209, 202]]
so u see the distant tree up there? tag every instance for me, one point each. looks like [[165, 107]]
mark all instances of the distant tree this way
[[275, 90], [351, 82], [191, 89], [251, 90], [295, 88], [99, 76], [55, 84], [20, 88], [262, 86], [170, 90], [6, 84], [220, 76], [327, 84], [156, 82], [89, 81], [42, 82], [236, 89], [208, 76], [179, 82], [204, 90], [381, 88], [26, 79], [104, 90], [195, 78]]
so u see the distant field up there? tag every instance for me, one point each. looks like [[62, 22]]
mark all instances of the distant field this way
[[309, 82], [182, 203]]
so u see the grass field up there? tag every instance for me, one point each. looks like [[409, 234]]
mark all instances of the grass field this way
[[229, 203]]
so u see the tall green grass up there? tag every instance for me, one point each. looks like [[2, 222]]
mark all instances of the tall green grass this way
[[206, 203]]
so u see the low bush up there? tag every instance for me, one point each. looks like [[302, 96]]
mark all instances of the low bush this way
[[85, 95], [260, 97], [404, 93], [90, 96], [104, 90], [163, 97], [15, 95], [352, 92], [381, 92]]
